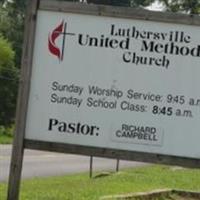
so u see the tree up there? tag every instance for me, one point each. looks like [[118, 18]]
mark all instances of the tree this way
[[12, 26], [185, 6], [8, 79]]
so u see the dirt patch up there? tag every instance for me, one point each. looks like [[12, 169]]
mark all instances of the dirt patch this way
[[169, 197], [179, 197], [184, 195], [166, 194]]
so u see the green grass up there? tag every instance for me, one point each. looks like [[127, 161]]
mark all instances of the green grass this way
[[6, 134], [80, 187], [6, 139]]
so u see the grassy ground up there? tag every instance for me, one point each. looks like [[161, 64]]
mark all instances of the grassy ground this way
[[6, 139], [80, 187], [6, 134]]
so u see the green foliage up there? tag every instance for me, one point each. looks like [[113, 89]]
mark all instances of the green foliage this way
[[7, 130], [6, 134], [8, 80], [12, 26], [6, 139], [141, 3], [186, 6], [6, 54]]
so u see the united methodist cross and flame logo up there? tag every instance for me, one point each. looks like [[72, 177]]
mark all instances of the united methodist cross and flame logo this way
[[54, 48]]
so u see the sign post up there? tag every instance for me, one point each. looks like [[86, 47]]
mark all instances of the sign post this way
[[18, 142], [110, 82]]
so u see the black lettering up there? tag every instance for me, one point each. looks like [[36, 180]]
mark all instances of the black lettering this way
[[127, 57], [54, 85], [71, 128], [52, 122], [62, 127], [83, 41], [147, 47], [85, 129]]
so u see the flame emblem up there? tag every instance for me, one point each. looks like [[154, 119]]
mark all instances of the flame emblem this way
[[53, 48]]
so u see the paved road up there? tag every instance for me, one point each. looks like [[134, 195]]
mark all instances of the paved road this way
[[40, 163]]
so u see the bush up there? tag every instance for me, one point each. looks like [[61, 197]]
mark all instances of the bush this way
[[7, 130], [8, 83]]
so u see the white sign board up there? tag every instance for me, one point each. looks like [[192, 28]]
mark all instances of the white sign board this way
[[115, 83]]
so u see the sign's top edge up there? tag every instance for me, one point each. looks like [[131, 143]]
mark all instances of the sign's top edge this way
[[121, 12]]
